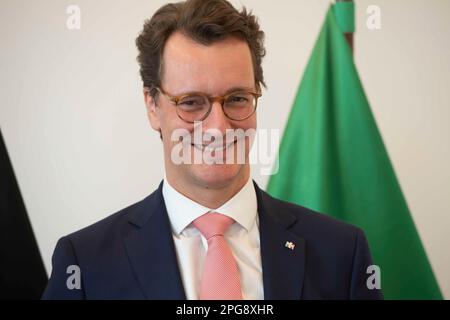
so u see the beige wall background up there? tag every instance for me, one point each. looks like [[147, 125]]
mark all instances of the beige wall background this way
[[74, 121]]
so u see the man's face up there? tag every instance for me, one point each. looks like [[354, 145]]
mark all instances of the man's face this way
[[214, 69]]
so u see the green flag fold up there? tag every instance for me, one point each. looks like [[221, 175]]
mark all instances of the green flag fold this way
[[332, 159]]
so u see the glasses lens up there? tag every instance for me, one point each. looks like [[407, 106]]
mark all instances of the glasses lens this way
[[239, 105], [193, 107]]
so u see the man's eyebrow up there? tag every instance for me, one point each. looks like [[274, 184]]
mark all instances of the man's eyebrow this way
[[231, 90], [234, 89]]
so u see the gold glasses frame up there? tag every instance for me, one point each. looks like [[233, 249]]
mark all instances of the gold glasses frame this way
[[221, 99]]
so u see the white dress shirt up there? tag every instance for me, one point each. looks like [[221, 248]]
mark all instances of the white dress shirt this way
[[242, 237]]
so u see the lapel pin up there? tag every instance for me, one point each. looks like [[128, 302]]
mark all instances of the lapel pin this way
[[289, 245]]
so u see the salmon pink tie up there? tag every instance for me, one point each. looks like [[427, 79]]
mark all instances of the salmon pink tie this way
[[220, 280]]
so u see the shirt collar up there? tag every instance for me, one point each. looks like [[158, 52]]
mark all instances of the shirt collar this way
[[242, 207]]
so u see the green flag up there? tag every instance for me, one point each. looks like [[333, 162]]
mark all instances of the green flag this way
[[332, 160]]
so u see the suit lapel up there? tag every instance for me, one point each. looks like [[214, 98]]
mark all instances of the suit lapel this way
[[151, 250], [283, 264]]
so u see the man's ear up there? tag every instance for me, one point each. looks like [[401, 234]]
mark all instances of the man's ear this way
[[152, 109]]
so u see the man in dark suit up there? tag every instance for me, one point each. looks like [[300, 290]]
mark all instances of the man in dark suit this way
[[208, 231]]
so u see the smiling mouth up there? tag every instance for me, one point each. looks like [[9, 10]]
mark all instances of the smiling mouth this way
[[212, 147]]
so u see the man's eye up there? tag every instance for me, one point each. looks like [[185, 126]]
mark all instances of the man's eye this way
[[239, 99], [187, 102], [192, 104], [192, 101]]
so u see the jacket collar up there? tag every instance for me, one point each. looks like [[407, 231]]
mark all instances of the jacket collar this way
[[282, 250], [151, 250]]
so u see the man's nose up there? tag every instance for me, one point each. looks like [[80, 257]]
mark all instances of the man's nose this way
[[217, 118]]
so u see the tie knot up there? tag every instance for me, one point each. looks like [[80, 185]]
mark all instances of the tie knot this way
[[213, 224]]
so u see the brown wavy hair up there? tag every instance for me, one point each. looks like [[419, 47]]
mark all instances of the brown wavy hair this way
[[205, 21]]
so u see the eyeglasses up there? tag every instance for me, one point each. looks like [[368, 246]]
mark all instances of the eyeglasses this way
[[196, 106]]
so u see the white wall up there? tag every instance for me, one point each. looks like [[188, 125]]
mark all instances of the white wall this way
[[73, 117]]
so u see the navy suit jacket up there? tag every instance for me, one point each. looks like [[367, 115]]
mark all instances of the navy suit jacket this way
[[131, 255]]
